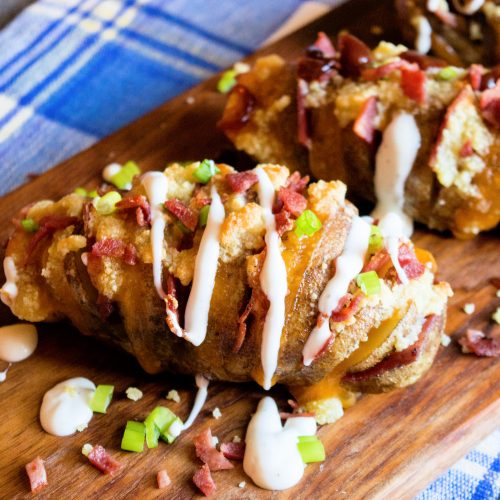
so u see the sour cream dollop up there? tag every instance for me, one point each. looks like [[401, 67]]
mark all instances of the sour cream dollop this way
[[272, 458], [17, 342], [66, 407]]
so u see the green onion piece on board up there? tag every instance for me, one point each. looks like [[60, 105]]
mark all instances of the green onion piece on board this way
[[133, 437], [102, 397], [152, 433], [227, 81], [29, 225], [448, 73], [311, 450], [204, 215], [307, 224], [123, 178], [172, 431], [167, 423], [369, 282], [205, 171], [80, 191], [376, 241], [106, 204]]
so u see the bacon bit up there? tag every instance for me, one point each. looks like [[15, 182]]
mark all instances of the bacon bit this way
[[413, 84], [162, 479], [241, 182], [103, 461], [203, 480], [37, 475], [105, 307], [238, 110], [324, 45], [109, 247], [242, 325], [466, 150], [142, 208], [183, 213], [490, 105], [396, 359], [476, 342], [200, 198], [303, 125], [292, 201], [412, 267], [354, 55], [297, 183], [207, 453], [364, 126], [234, 451], [48, 225], [423, 61], [377, 261], [348, 305], [172, 305], [475, 76], [284, 222], [447, 17]]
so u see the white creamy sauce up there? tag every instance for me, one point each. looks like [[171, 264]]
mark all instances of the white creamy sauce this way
[[272, 458], [3, 374], [394, 161], [468, 7], [17, 342], [198, 305], [8, 292], [347, 266], [66, 407], [423, 39], [273, 280], [199, 400], [392, 227]]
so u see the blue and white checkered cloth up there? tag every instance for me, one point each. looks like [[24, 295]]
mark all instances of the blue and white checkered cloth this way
[[73, 71]]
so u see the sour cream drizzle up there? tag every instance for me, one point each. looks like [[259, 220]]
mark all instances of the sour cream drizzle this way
[[199, 400], [394, 161], [17, 342], [423, 40], [8, 292], [392, 229], [66, 407], [272, 458], [3, 373], [273, 280], [347, 266], [198, 305]]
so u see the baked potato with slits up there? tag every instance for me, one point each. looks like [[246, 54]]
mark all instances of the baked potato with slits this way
[[95, 269]]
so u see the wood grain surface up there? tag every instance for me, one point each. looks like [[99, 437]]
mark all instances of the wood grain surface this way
[[386, 446]]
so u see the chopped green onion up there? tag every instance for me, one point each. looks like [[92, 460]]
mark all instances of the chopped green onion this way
[[205, 171], [29, 225], [92, 194], [152, 433], [81, 191], [311, 450], [369, 282], [204, 215], [227, 81], [166, 422], [307, 223], [133, 437], [102, 397], [123, 178], [172, 432], [376, 241], [106, 204], [448, 73]]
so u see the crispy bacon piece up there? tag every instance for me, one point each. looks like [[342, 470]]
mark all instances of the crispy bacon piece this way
[[297, 183], [203, 480], [242, 325], [103, 461], [347, 306], [47, 226], [241, 182], [412, 267], [423, 61], [364, 126], [303, 120], [383, 71], [207, 453], [284, 222], [466, 150], [141, 206], [172, 306], [234, 451], [413, 84], [377, 261], [239, 109], [476, 342], [163, 479], [37, 475], [324, 44], [110, 247], [475, 76], [183, 213], [490, 105], [292, 201], [397, 359], [354, 55]]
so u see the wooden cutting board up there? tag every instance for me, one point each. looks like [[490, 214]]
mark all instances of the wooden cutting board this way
[[387, 446]]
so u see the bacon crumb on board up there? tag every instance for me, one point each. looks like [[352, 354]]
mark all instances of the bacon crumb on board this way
[[233, 450], [103, 461], [37, 475], [476, 342], [203, 480], [207, 453], [163, 479]]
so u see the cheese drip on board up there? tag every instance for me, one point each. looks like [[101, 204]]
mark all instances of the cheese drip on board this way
[[8, 292], [272, 458], [66, 407], [273, 280], [393, 163], [205, 269], [347, 266], [199, 400]]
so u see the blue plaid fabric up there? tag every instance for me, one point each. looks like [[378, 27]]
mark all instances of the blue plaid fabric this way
[[73, 71]]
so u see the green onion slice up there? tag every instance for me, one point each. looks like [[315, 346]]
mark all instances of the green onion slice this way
[[204, 215], [167, 423], [133, 437], [307, 223], [376, 241], [106, 204], [205, 171], [102, 397], [311, 449], [123, 178], [152, 433], [369, 282], [227, 81], [448, 73], [80, 191], [29, 225]]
